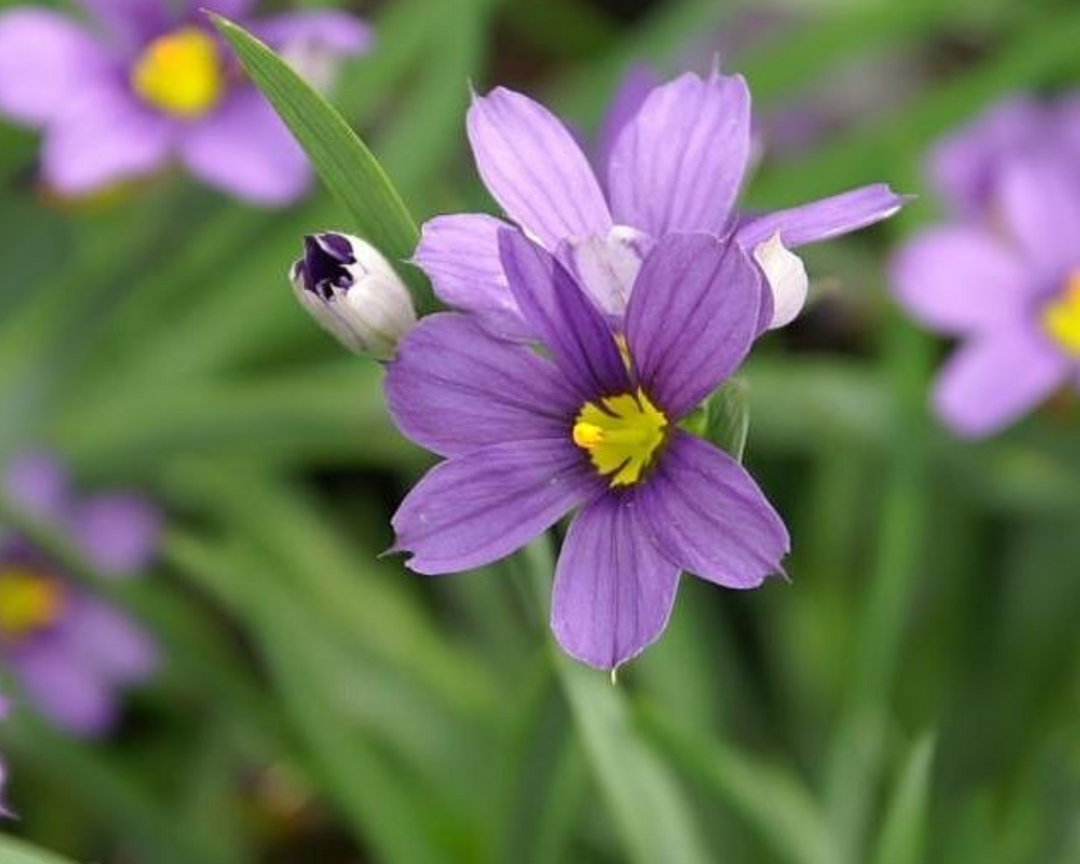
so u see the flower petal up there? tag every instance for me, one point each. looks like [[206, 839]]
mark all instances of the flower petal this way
[[109, 643], [961, 279], [330, 30], [533, 167], [708, 515], [786, 277], [1040, 205], [996, 378], [823, 219], [573, 330], [460, 254], [679, 164], [133, 23], [45, 62], [965, 166], [452, 388], [63, 689], [692, 318], [245, 149], [479, 507], [634, 88], [119, 533], [39, 485], [105, 137], [613, 590], [607, 267]]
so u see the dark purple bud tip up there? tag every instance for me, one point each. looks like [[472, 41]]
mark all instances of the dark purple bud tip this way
[[324, 267]]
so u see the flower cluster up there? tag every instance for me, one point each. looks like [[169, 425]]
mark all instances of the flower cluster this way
[[151, 82], [1003, 273], [68, 651]]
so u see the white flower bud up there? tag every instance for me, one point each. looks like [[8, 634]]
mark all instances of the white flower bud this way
[[786, 275], [353, 292]]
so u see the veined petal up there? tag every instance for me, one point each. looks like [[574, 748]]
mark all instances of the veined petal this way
[[481, 506], [535, 170], [453, 388], [105, 137], [634, 88], [614, 590], [709, 516], [1040, 205], [569, 325], [460, 254], [245, 149], [997, 378], [961, 279], [45, 61], [692, 318], [824, 218], [679, 164], [607, 267]]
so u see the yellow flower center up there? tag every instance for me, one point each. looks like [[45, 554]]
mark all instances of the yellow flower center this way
[[29, 602], [1062, 317], [621, 435], [180, 73]]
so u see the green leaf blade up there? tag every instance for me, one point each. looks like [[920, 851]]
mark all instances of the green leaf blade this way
[[344, 163]]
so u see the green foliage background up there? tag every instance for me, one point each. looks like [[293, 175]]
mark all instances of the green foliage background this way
[[911, 696]]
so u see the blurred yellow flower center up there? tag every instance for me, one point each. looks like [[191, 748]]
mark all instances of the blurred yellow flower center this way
[[180, 73], [1062, 317], [621, 435], [28, 602]]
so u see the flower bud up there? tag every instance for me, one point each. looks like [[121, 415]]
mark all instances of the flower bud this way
[[353, 292]]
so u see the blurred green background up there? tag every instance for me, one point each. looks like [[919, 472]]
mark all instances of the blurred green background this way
[[912, 695]]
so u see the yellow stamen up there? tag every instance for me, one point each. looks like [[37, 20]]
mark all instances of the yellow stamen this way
[[28, 602], [180, 73], [1062, 317], [621, 435]]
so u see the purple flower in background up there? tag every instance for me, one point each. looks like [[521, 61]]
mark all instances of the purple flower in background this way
[[528, 439], [150, 83], [1005, 278], [672, 158], [69, 652]]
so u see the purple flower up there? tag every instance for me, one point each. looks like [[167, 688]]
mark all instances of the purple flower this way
[[592, 423], [1004, 280], [69, 652], [150, 83], [672, 158]]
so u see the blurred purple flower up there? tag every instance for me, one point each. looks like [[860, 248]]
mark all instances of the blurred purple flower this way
[[673, 158], [528, 439], [4, 809], [68, 651], [150, 82], [1004, 275]]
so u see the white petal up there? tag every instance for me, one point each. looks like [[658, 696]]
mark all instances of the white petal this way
[[787, 279]]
